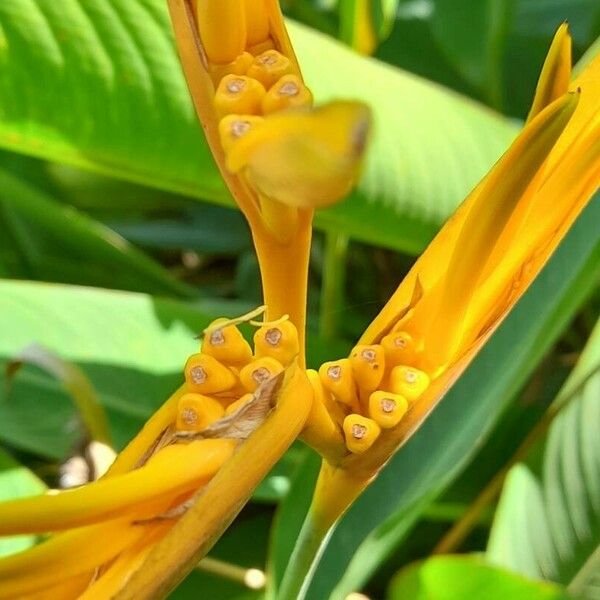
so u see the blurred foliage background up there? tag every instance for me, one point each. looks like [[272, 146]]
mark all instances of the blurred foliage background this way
[[105, 182]]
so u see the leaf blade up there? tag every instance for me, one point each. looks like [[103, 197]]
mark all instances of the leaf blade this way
[[119, 55]]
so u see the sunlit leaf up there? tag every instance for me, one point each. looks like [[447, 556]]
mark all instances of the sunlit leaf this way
[[461, 577], [112, 63], [16, 481]]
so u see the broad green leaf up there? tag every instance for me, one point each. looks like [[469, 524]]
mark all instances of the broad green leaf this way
[[549, 527], [16, 481], [462, 577], [383, 516], [132, 347], [473, 35], [114, 100], [45, 240], [542, 17]]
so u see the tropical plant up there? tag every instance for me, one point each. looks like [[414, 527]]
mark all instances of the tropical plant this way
[[96, 86]]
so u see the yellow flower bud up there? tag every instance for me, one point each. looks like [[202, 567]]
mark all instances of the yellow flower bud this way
[[336, 377], [360, 433], [387, 409], [399, 348], [237, 67], [238, 403], [305, 159], [269, 67], [368, 366], [238, 94], [408, 382], [222, 29], [321, 431], [233, 127], [259, 371], [257, 21], [279, 340], [206, 375], [196, 412], [288, 92], [226, 344]]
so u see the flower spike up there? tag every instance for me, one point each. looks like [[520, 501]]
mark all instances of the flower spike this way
[[279, 158], [495, 201]]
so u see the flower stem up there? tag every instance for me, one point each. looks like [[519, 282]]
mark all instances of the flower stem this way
[[284, 274], [334, 280], [252, 578], [309, 547]]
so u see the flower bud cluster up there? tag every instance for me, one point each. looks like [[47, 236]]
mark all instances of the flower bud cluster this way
[[227, 372], [252, 78], [373, 389]]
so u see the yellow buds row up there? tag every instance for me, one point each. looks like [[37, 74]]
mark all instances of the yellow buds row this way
[[374, 388], [243, 95], [223, 376], [259, 85]]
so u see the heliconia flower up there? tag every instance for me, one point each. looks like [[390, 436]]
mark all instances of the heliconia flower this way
[[193, 458], [466, 282], [279, 157]]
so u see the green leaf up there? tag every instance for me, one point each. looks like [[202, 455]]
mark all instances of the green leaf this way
[[46, 240], [132, 348], [112, 63], [16, 481], [74, 380], [548, 527], [435, 455], [473, 36], [542, 17], [461, 577]]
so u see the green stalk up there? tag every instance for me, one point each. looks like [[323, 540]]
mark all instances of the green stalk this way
[[334, 282], [308, 550]]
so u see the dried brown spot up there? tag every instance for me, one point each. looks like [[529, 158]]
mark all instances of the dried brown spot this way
[[388, 405], [334, 372], [267, 59], [240, 128], [261, 374], [358, 431], [235, 86], [289, 88], [198, 375], [410, 377], [273, 336], [217, 338], [400, 342], [369, 354], [189, 416]]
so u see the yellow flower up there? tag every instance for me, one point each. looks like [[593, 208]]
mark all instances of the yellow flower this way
[[278, 156], [468, 279]]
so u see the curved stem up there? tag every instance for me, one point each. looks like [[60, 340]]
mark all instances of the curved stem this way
[[284, 274]]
